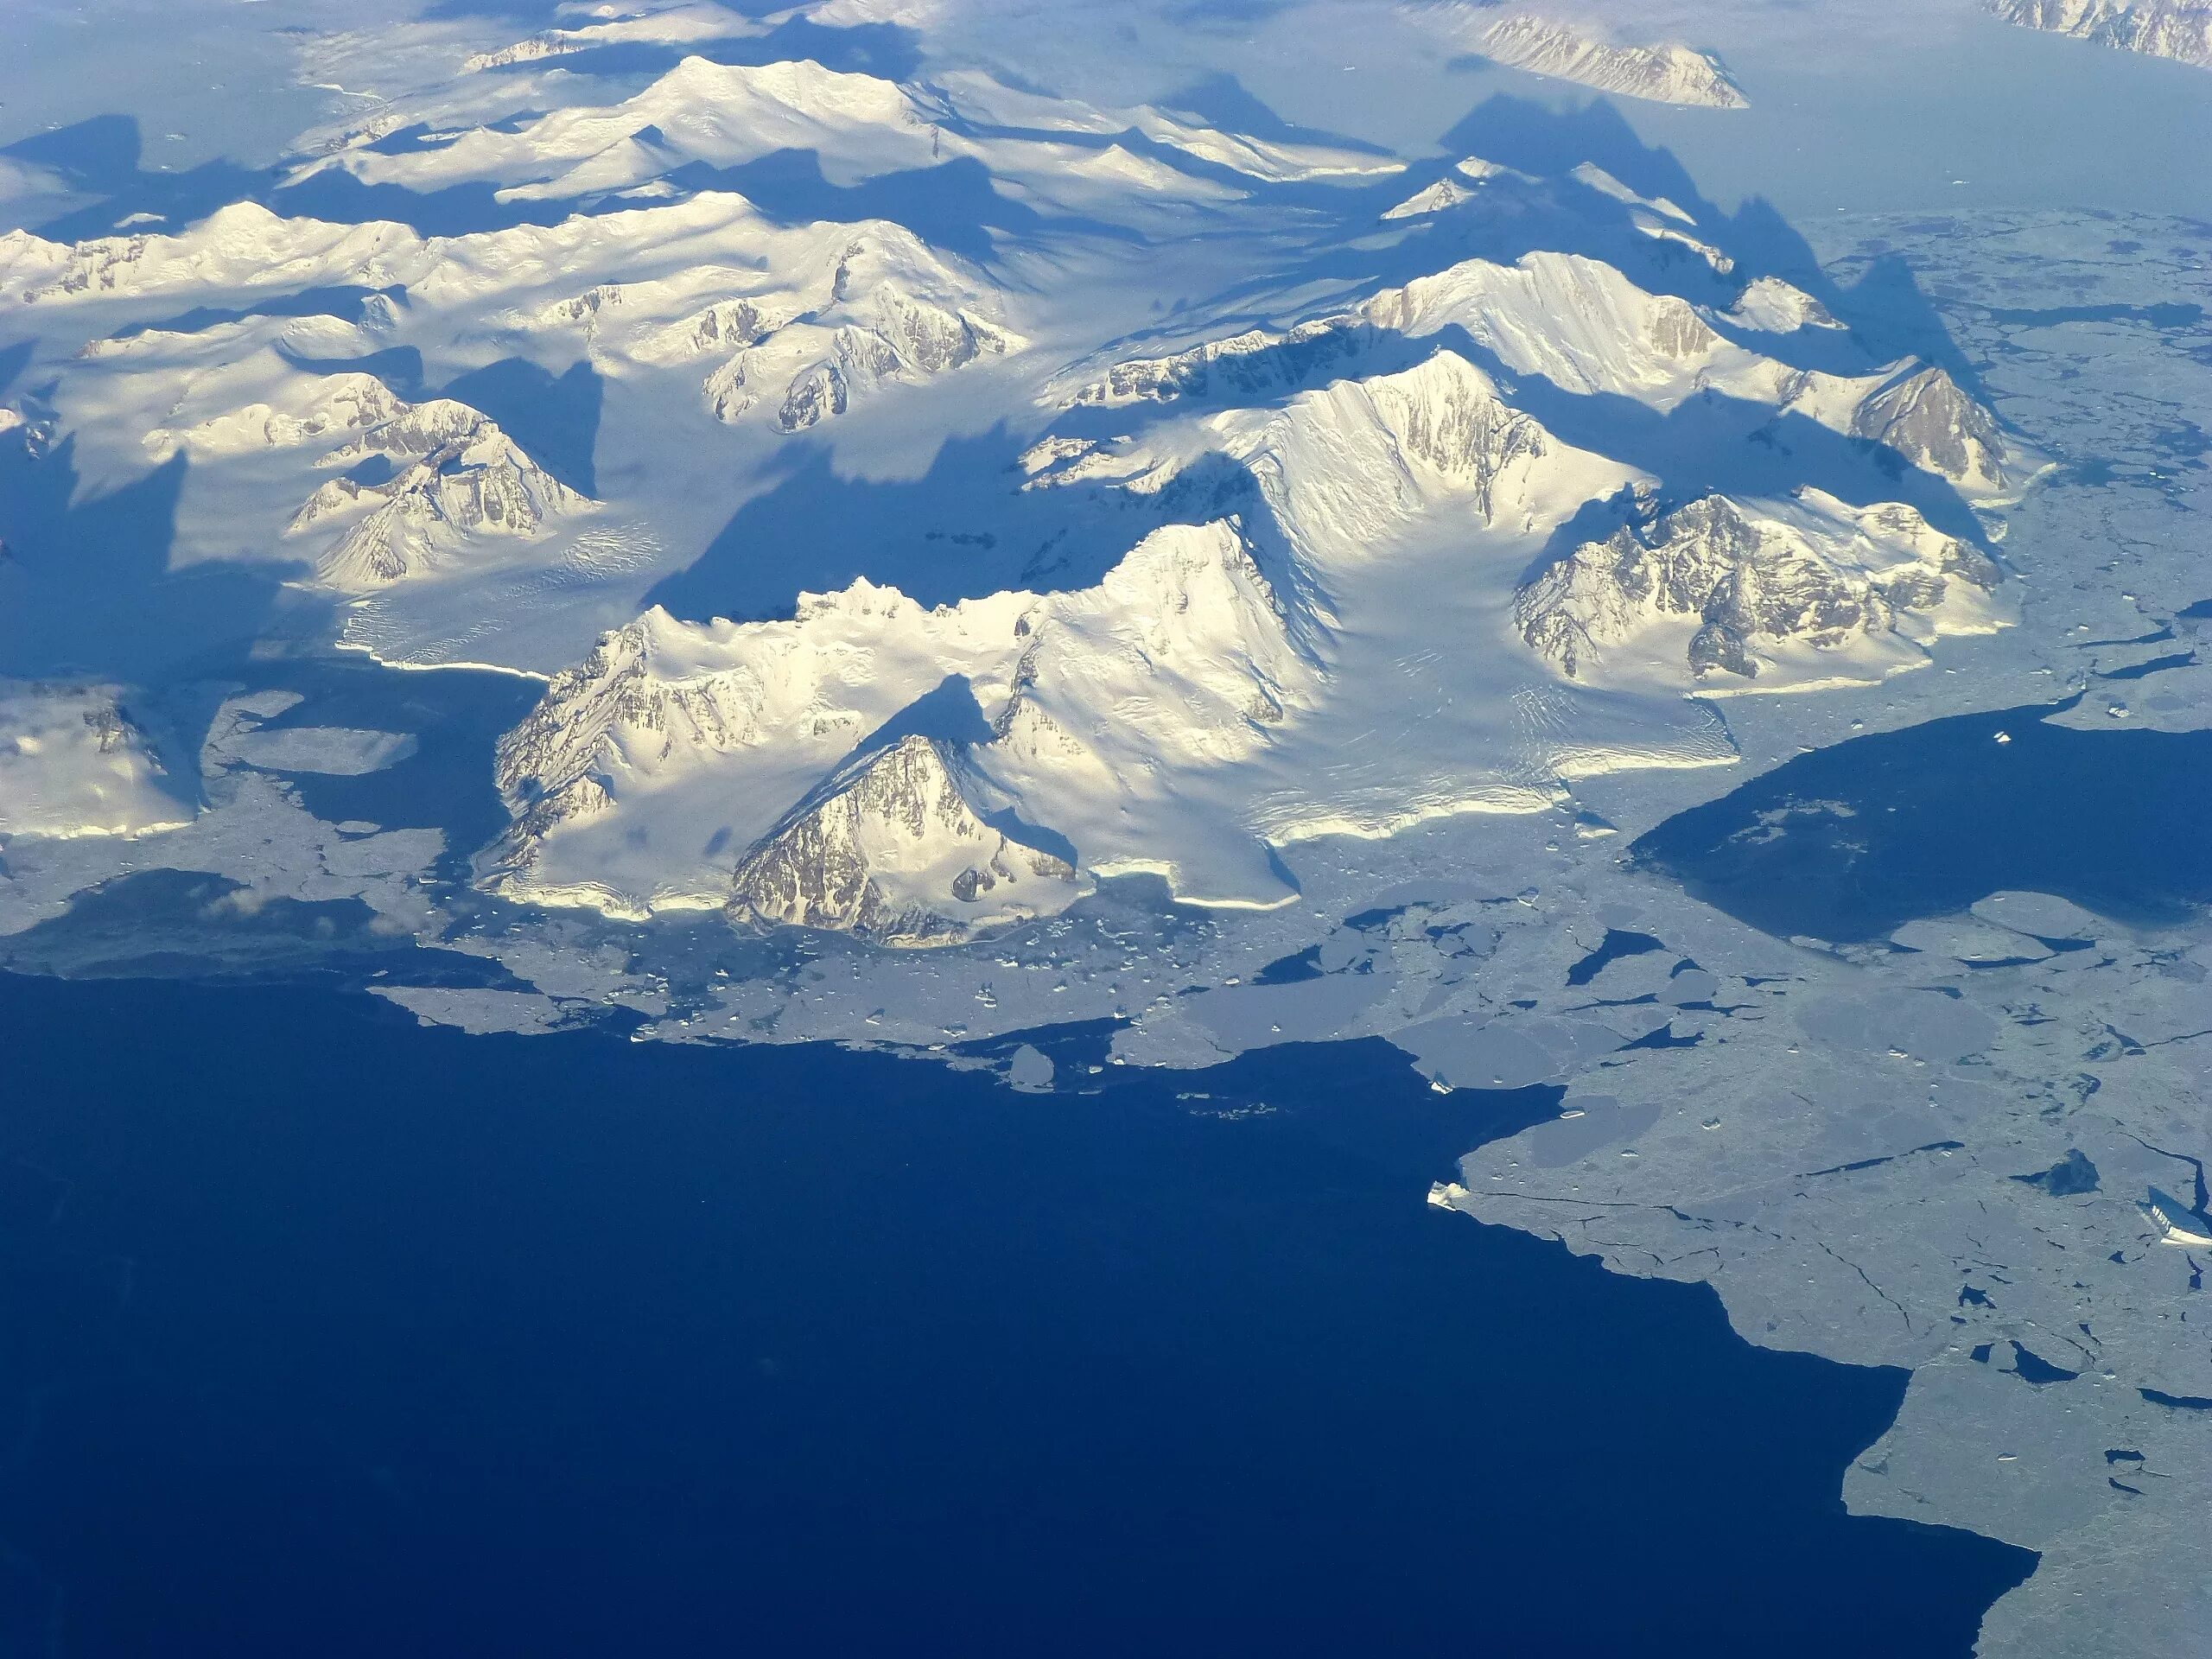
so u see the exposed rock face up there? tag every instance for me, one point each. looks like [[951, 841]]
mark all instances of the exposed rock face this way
[[676, 25], [1348, 467], [1444, 195], [1447, 414], [894, 850], [464, 478], [2180, 30], [340, 403], [1252, 364], [1575, 321], [1745, 581], [1925, 418], [659, 694], [812, 357], [808, 323], [1582, 325], [709, 733], [1669, 72], [648, 772]]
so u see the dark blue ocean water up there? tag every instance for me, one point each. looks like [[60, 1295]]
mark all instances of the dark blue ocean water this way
[[324, 1335], [1849, 842]]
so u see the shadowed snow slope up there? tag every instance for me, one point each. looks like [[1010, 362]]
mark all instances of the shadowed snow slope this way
[[859, 126], [1360, 515], [675, 750]]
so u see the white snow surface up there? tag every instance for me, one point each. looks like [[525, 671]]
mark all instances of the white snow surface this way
[[2180, 30], [1664, 71], [1304, 524], [73, 764]]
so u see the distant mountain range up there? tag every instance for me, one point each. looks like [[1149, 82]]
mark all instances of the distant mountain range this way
[[1663, 72], [1433, 538], [2180, 30]]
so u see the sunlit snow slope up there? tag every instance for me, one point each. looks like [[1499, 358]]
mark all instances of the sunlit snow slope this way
[[898, 560]]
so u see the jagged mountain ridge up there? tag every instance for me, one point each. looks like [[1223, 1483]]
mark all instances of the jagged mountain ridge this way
[[1322, 641], [860, 126], [895, 851], [1178, 663], [459, 478], [820, 319], [1770, 594], [762, 711], [681, 25], [1583, 326], [1375, 474], [1349, 467], [717, 280], [702, 302], [1666, 72], [2180, 30]]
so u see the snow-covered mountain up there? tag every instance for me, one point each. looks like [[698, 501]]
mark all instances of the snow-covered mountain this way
[[699, 318], [679, 25], [1775, 594], [456, 478], [816, 319], [678, 752], [1351, 467], [1355, 497], [1666, 72], [306, 410], [1291, 530], [2180, 30], [1053, 151], [1582, 325], [1924, 416], [893, 849], [777, 311], [1138, 710], [72, 763], [647, 770]]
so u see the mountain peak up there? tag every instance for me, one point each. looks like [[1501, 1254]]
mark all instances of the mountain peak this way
[[893, 849], [1775, 594]]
